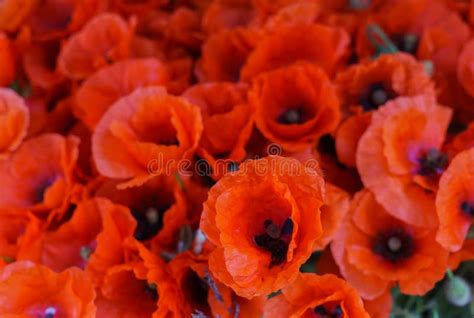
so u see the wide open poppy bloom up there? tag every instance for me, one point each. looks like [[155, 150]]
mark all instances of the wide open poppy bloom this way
[[263, 220], [145, 134], [40, 174], [158, 206], [466, 67], [311, 295], [225, 53], [29, 290], [399, 157], [295, 105], [227, 120], [317, 44], [114, 81], [454, 201], [103, 40], [366, 86], [374, 253], [14, 120], [7, 60]]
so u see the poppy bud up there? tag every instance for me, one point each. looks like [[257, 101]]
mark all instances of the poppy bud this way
[[457, 291]]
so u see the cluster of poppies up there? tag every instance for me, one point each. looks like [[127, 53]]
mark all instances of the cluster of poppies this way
[[236, 158]]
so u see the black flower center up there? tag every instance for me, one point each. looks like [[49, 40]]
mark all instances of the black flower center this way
[[149, 222], [467, 208], [323, 312], [292, 116], [376, 95], [275, 240], [432, 163], [151, 291], [407, 42], [196, 291], [394, 245]]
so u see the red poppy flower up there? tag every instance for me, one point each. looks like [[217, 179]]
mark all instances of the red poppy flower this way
[[366, 86], [112, 82], [279, 200], [14, 119], [14, 12], [466, 67], [311, 295], [295, 105], [227, 120], [225, 53], [7, 60], [12, 232], [42, 184], [301, 12], [222, 14], [317, 44], [104, 39], [454, 200], [69, 293], [399, 157], [374, 253], [144, 134]]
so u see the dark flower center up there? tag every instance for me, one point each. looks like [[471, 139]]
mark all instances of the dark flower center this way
[[292, 116], [467, 208], [275, 240], [376, 95], [432, 163], [322, 312], [151, 291], [407, 42], [149, 222], [394, 245], [196, 291]]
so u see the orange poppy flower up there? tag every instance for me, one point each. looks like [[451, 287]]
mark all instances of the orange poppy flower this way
[[14, 12], [66, 294], [453, 201], [225, 53], [336, 205], [280, 201], [318, 44], [14, 119], [159, 207], [104, 39], [227, 119], [367, 86], [399, 157], [311, 295], [295, 105], [112, 82], [45, 183], [7, 60], [127, 143], [466, 67], [374, 253]]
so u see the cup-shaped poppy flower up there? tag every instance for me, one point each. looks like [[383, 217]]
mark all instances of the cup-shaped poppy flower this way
[[336, 205], [159, 207], [225, 53], [29, 290], [374, 251], [145, 134], [312, 295], [454, 201], [264, 220], [14, 120], [295, 105], [7, 60], [465, 68], [14, 12], [112, 82], [315, 43], [227, 119], [399, 157], [366, 86], [103, 40], [40, 174]]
